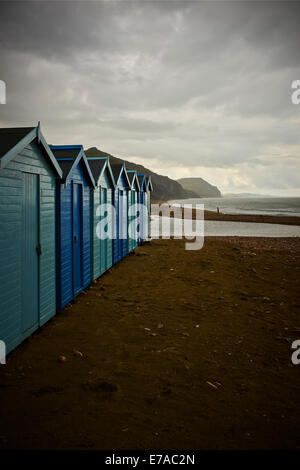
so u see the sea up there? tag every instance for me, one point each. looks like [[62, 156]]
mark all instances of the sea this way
[[289, 206]]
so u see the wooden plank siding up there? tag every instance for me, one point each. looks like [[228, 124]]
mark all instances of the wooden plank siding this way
[[110, 240], [132, 220], [120, 246], [116, 251], [30, 160], [65, 291], [96, 241], [102, 249]]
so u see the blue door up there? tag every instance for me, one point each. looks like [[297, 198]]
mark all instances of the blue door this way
[[104, 240], [77, 238], [120, 224], [125, 223], [109, 244], [140, 224], [30, 252], [133, 222], [116, 227]]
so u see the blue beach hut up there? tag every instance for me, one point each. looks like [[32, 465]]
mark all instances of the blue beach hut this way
[[149, 189], [143, 229], [132, 212], [102, 194], [120, 245], [73, 222], [28, 171]]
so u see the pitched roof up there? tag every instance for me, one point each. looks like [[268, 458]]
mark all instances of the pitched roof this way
[[70, 155], [142, 182], [66, 167], [132, 176], [117, 169], [60, 152], [65, 157], [14, 139], [10, 136], [98, 166], [149, 185]]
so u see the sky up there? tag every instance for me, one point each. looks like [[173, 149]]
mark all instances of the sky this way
[[186, 88]]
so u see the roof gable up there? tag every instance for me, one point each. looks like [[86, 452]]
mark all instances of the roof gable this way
[[70, 156], [14, 140], [132, 176], [142, 182], [98, 166], [149, 186], [119, 172], [9, 137]]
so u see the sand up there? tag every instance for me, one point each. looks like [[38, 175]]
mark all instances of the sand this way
[[170, 349]]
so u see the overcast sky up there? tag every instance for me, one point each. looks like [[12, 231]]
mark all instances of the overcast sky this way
[[185, 88]]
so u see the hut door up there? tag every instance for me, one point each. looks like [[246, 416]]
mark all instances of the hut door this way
[[30, 252], [77, 238], [104, 240], [140, 217], [120, 224], [125, 222], [135, 219]]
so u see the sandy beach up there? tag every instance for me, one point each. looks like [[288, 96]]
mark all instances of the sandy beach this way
[[170, 349]]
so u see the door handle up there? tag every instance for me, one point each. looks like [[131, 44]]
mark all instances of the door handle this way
[[75, 239], [39, 249]]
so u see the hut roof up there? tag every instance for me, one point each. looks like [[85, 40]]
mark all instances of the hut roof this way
[[14, 139], [133, 179], [142, 182], [69, 156], [98, 166], [118, 169], [10, 136], [149, 185]]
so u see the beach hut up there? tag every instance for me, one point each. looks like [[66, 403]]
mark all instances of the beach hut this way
[[149, 189], [120, 245], [143, 226], [102, 194], [132, 212], [28, 171], [73, 222]]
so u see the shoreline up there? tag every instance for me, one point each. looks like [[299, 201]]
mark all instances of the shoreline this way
[[255, 218]]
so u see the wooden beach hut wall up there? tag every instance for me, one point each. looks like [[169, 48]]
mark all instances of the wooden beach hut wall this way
[[120, 245], [143, 228], [28, 171], [73, 219], [149, 189], [132, 202], [102, 194]]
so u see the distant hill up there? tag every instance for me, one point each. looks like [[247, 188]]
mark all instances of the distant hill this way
[[200, 187], [164, 188]]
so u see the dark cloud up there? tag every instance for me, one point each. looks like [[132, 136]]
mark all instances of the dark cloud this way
[[183, 86]]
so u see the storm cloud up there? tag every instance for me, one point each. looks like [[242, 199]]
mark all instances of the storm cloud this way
[[186, 88]]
